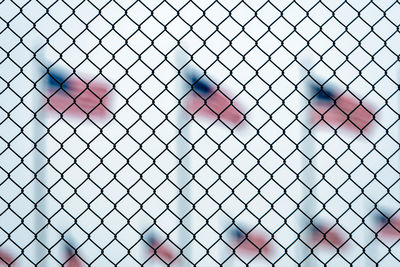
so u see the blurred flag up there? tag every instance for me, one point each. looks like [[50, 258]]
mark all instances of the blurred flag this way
[[388, 226], [72, 259], [326, 237], [72, 96], [255, 243], [339, 110], [162, 250], [210, 102], [6, 259]]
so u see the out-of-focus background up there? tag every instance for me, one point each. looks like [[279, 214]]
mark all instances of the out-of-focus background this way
[[104, 161]]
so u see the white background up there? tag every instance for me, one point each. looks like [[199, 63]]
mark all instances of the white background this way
[[137, 49]]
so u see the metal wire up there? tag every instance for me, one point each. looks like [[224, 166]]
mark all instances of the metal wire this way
[[153, 182]]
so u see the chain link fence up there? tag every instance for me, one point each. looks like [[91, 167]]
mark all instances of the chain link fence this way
[[199, 133]]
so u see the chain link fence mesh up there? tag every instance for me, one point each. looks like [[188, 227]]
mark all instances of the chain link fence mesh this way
[[140, 179]]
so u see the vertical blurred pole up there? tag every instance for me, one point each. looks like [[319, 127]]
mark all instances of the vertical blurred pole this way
[[309, 180], [39, 164], [307, 147], [184, 205], [40, 192], [184, 177]]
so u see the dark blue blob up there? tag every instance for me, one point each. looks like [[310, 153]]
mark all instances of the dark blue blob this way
[[237, 233], [381, 218], [57, 81], [322, 93], [200, 86], [151, 239], [316, 228], [69, 250]]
